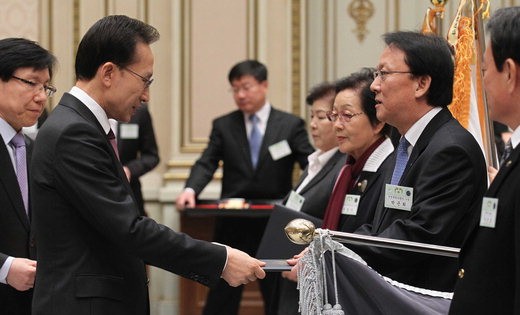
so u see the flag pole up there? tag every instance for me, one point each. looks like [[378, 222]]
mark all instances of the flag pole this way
[[489, 134], [301, 231]]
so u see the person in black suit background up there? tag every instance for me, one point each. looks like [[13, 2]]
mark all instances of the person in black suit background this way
[[265, 175], [25, 72], [92, 240], [439, 172], [317, 180], [366, 143], [137, 149], [489, 278]]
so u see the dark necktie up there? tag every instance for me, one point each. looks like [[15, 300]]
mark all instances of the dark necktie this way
[[112, 138], [507, 152], [400, 161], [255, 139], [18, 144]]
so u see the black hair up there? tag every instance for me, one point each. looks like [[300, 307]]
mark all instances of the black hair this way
[[250, 67], [111, 39], [360, 81], [320, 91], [504, 30], [18, 53], [427, 54]]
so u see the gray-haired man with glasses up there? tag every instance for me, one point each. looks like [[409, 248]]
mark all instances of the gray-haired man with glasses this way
[[25, 73]]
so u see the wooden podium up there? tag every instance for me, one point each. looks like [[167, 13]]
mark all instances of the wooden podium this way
[[199, 222]]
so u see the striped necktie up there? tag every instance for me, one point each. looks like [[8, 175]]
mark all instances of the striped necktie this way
[[255, 139], [400, 161], [18, 144]]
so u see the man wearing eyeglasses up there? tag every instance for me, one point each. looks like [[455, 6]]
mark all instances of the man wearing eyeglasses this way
[[25, 73], [259, 146], [92, 241], [432, 194]]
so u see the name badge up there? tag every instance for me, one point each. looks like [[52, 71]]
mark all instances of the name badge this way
[[295, 201], [488, 214], [129, 131], [398, 197], [280, 150], [351, 204]]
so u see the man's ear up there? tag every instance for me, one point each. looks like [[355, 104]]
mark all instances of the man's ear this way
[[106, 72], [423, 83], [513, 75]]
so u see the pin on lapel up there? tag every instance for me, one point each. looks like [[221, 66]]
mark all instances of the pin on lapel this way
[[362, 185]]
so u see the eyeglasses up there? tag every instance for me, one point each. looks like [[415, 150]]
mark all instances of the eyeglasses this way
[[38, 87], [246, 88], [382, 74], [147, 82], [343, 116]]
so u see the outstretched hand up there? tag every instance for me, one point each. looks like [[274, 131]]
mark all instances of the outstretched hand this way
[[241, 268]]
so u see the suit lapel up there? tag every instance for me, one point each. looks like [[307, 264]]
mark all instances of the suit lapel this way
[[70, 101], [238, 128], [10, 182], [271, 131], [327, 168], [504, 172], [424, 139]]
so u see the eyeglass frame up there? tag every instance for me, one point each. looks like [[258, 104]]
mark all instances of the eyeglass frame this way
[[49, 89], [381, 74], [147, 82], [343, 116], [246, 88]]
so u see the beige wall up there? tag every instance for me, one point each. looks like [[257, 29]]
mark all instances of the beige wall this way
[[302, 42]]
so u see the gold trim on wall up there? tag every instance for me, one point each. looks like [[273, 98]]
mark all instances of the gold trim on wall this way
[[252, 29], [188, 142], [296, 56]]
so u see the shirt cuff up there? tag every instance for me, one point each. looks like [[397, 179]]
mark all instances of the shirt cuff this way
[[191, 190], [5, 269], [226, 257]]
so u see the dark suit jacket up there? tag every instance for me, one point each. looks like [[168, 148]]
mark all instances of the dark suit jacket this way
[[369, 187], [318, 190], [139, 154], [92, 240], [447, 171], [228, 143], [15, 232], [490, 258], [270, 180]]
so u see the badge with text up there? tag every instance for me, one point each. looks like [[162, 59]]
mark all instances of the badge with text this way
[[488, 215], [280, 150], [295, 201], [129, 131], [350, 205], [398, 197]]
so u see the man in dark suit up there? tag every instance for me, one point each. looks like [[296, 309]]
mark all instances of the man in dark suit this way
[[25, 72], [92, 240], [489, 277], [137, 150], [433, 193], [259, 146]]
